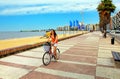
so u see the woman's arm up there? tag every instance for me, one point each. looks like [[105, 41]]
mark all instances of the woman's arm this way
[[49, 39]]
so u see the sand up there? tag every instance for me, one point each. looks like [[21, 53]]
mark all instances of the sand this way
[[10, 43]]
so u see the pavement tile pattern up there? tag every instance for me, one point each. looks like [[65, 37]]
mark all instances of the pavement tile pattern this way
[[83, 57]]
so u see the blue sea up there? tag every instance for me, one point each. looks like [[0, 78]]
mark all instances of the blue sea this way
[[15, 34]]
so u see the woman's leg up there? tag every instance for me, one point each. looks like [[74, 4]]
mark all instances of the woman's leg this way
[[54, 50], [51, 49]]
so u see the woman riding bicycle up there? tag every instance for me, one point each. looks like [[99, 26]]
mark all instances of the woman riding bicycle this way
[[53, 38]]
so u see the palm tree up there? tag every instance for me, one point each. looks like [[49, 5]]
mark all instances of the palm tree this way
[[105, 8]]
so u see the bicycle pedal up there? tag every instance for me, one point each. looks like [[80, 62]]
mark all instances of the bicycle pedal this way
[[52, 56]]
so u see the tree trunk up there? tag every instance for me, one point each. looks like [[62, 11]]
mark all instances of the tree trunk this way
[[104, 20]]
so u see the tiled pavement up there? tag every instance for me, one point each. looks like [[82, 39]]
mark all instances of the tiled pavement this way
[[83, 57]]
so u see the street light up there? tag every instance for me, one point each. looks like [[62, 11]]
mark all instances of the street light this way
[[82, 17], [82, 22]]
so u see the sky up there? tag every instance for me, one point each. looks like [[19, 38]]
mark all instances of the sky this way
[[16, 15]]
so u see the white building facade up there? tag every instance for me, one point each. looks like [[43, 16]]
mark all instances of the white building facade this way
[[116, 21]]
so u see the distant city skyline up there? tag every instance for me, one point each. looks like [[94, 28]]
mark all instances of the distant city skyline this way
[[39, 14]]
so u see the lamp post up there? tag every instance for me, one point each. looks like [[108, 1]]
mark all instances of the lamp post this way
[[82, 22]]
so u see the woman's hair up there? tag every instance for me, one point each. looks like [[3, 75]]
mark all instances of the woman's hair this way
[[54, 33]]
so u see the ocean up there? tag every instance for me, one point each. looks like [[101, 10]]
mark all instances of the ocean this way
[[15, 34]]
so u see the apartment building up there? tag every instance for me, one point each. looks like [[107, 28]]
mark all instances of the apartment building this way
[[116, 21]]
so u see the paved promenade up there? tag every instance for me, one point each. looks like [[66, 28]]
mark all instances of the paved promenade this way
[[83, 57]]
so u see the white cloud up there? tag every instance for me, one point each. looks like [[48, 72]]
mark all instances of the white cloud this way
[[117, 7], [28, 2], [19, 7]]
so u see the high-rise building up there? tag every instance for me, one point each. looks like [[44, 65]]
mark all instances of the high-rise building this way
[[116, 21], [92, 27]]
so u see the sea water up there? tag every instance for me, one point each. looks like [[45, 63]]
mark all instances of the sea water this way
[[18, 34]]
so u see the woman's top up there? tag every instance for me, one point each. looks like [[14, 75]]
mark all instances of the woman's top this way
[[54, 39]]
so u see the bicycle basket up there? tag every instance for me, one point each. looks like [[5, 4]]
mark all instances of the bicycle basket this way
[[46, 46]]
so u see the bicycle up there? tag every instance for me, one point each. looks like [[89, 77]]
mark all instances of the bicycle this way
[[47, 56]]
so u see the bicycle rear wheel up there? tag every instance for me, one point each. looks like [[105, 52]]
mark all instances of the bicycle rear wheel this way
[[46, 59], [58, 53]]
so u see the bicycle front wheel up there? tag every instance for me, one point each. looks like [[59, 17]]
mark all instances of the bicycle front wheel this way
[[46, 59]]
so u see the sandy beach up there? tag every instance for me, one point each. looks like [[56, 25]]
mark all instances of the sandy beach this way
[[11, 43]]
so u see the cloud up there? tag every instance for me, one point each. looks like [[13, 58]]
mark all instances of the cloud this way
[[28, 2], [24, 7], [117, 7]]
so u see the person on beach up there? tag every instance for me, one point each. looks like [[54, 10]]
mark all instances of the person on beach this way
[[48, 34], [54, 41]]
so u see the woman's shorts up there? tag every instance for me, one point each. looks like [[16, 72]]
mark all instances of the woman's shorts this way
[[56, 44]]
